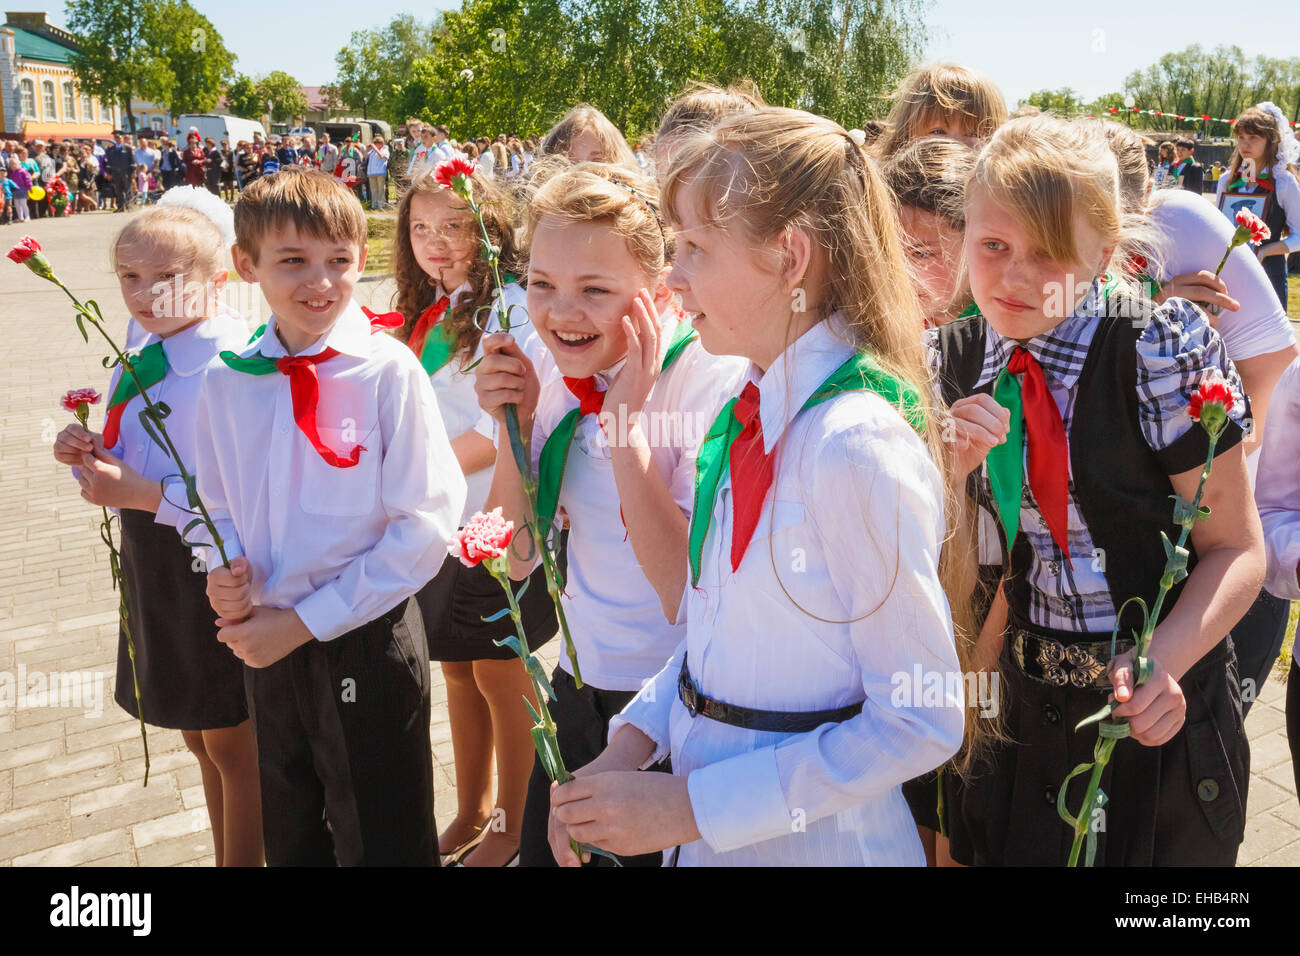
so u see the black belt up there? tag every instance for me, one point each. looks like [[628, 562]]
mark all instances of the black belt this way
[[1082, 664], [776, 721]]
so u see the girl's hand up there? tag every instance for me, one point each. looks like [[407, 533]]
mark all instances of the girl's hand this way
[[110, 482], [504, 376], [229, 589], [74, 442], [1200, 287], [1157, 710], [267, 635], [979, 424], [623, 812], [641, 370], [1275, 248]]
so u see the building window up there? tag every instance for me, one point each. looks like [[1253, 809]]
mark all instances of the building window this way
[[29, 98], [87, 109], [157, 123], [69, 104], [50, 108]]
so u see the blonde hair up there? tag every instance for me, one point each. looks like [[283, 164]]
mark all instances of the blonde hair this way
[[946, 92], [603, 192], [416, 289], [585, 118], [771, 169], [316, 203], [1048, 172], [191, 239], [703, 105]]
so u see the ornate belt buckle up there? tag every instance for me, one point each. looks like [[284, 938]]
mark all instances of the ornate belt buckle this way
[[686, 691], [1050, 655], [1085, 667]]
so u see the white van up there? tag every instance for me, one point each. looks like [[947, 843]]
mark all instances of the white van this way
[[230, 128]]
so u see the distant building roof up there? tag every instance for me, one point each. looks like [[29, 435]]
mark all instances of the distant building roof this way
[[316, 100], [34, 39]]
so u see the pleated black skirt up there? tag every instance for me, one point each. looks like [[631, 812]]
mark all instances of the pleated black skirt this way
[[188, 679]]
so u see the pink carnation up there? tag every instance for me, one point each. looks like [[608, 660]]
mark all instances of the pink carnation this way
[[78, 396], [485, 536]]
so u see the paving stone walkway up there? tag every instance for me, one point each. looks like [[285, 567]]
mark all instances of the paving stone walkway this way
[[70, 776]]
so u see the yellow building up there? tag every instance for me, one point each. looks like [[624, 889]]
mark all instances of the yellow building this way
[[39, 95]]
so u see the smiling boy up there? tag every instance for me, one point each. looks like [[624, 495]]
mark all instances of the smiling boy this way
[[324, 463]]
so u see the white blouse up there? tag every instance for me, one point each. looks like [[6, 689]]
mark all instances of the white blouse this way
[[837, 599]]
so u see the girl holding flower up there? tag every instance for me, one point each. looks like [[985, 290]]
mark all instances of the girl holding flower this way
[[188, 680], [447, 298], [809, 578], [1076, 424]]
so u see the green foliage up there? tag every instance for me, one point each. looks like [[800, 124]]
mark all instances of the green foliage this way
[[281, 89], [1220, 83], [195, 54], [118, 59], [375, 62], [529, 62], [242, 98], [1063, 102]]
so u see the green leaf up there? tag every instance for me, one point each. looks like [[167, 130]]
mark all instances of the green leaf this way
[[185, 534], [1184, 511], [511, 642], [1203, 511], [537, 718], [538, 674], [81, 326], [147, 423], [1099, 715], [192, 491], [495, 617]]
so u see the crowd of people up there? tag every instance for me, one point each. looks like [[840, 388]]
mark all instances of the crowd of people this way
[[813, 416]]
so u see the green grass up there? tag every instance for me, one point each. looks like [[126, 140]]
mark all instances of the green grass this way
[[380, 228], [1293, 298]]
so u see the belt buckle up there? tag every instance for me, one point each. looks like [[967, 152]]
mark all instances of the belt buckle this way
[[686, 691]]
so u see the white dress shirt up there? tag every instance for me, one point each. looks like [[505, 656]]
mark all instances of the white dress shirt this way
[[614, 614], [457, 400], [1277, 486], [188, 354], [850, 533], [341, 546]]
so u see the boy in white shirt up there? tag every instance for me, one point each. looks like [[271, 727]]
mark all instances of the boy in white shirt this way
[[324, 463]]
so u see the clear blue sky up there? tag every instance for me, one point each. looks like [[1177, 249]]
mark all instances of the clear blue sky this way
[[1025, 45]]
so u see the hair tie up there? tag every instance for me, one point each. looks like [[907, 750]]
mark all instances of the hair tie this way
[[649, 205]]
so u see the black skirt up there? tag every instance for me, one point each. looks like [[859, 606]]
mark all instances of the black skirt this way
[[455, 602], [188, 679], [1180, 804]]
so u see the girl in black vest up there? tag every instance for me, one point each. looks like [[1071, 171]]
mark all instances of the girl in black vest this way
[[1104, 387], [1263, 167]]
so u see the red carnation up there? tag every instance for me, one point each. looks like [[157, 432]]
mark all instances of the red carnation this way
[[454, 174], [1254, 225], [78, 396], [1210, 405], [484, 538], [24, 250]]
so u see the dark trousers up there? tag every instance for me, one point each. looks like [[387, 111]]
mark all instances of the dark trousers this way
[[1276, 270], [581, 725], [343, 748], [121, 189], [1257, 639]]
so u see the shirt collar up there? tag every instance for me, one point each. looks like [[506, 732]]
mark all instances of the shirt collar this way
[[350, 335], [1061, 350], [796, 374], [191, 350]]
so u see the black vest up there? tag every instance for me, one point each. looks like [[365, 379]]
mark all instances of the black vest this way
[[1122, 486]]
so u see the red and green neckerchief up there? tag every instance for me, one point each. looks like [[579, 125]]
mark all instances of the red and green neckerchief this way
[[431, 339], [150, 365], [1263, 181], [1177, 168], [859, 373], [550, 466]]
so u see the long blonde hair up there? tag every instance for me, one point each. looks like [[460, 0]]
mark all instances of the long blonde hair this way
[[947, 92], [585, 118], [774, 168]]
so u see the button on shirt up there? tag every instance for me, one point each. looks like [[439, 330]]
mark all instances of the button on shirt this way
[[837, 600], [614, 614], [188, 354], [340, 546]]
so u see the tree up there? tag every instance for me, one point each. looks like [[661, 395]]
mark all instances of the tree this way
[[283, 91], [376, 62], [1063, 102], [194, 52], [242, 98], [117, 61]]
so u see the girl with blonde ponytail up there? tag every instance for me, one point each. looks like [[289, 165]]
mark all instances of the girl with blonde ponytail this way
[[819, 669]]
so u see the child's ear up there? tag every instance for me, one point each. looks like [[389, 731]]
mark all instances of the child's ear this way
[[245, 265], [662, 294], [796, 248]]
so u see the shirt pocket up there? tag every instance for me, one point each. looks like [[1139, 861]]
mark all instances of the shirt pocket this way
[[777, 516], [341, 492]]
